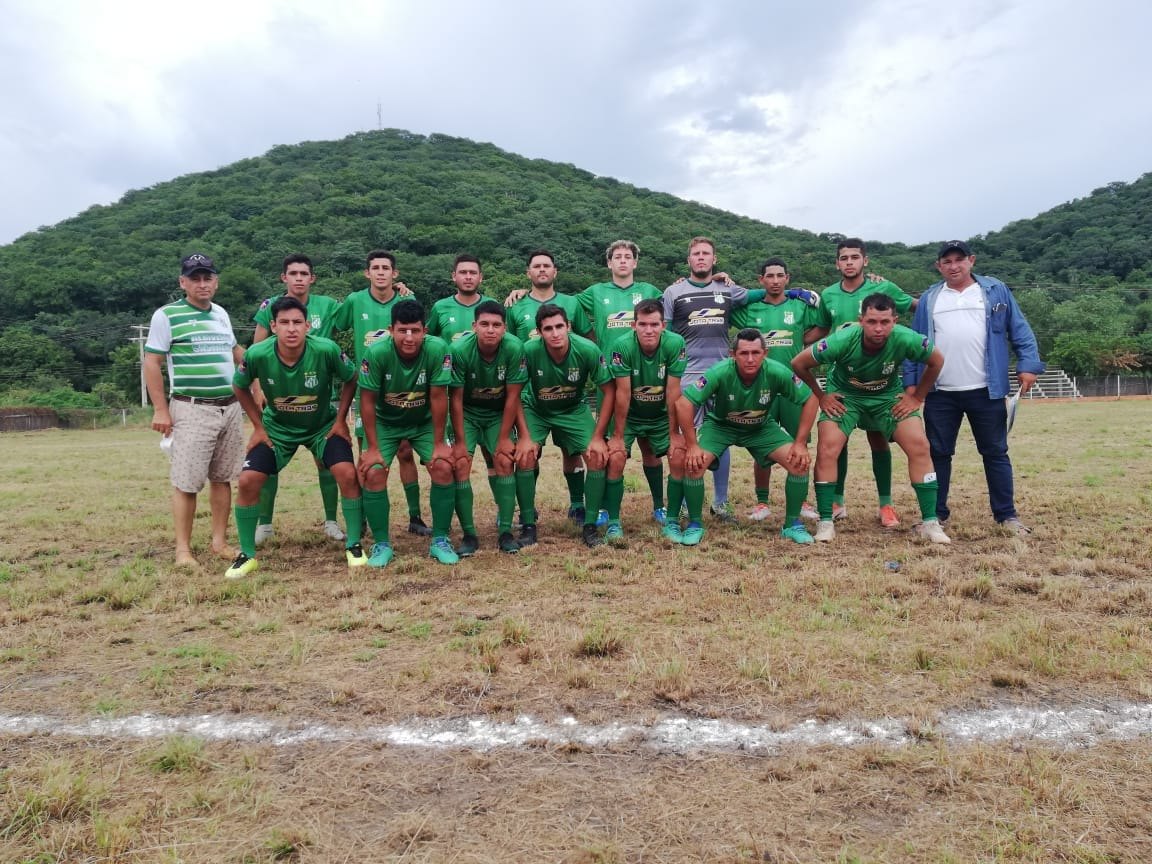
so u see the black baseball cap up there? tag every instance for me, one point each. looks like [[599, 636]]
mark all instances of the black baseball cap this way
[[195, 262], [954, 246]]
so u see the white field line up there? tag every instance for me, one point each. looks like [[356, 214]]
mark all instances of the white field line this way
[[1066, 727]]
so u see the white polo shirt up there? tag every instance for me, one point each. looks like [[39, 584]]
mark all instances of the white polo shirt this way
[[961, 335]]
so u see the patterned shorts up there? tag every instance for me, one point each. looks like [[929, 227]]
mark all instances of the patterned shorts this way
[[207, 444]]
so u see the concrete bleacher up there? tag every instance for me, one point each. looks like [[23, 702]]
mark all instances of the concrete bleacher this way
[[1053, 383]]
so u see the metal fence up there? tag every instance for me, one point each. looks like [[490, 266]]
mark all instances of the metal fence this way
[[1114, 385]]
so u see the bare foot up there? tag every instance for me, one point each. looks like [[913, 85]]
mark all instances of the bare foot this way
[[187, 559], [226, 552]]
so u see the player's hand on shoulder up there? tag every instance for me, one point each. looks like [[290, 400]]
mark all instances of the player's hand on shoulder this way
[[515, 296], [809, 298]]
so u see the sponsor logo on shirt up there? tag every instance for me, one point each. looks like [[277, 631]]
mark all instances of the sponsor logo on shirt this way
[[406, 400], [486, 393], [376, 335], [778, 338], [706, 318], [869, 386], [648, 393], [295, 404], [619, 319], [746, 418], [555, 394]]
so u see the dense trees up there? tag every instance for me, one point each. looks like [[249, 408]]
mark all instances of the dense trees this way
[[71, 291]]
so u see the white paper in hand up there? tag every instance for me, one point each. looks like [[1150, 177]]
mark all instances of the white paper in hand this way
[[1012, 402]]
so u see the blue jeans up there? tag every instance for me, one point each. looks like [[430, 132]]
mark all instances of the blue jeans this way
[[988, 418]]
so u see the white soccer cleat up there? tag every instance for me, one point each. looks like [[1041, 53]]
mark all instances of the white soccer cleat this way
[[332, 531], [760, 512], [264, 534], [809, 512], [932, 531], [825, 531]]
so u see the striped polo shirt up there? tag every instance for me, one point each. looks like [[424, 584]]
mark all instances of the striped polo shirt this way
[[198, 344]]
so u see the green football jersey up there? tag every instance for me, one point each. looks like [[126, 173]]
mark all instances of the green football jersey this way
[[369, 319], [555, 387], [402, 386], [522, 315], [450, 319], [483, 380], [320, 312], [783, 325], [649, 373], [840, 308], [298, 396], [744, 406], [610, 309], [857, 372]]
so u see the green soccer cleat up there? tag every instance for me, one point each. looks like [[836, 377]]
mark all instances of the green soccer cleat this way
[[443, 552], [380, 555], [692, 535], [797, 533], [614, 534], [242, 566], [671, 531], [355, 556]]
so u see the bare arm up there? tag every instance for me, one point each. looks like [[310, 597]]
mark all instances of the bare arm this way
[[154, 380]]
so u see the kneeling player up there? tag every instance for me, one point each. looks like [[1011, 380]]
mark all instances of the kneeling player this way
[[864, 392], [488, 375], [647, 365], [741, 389], [404, 397], [296, 374]]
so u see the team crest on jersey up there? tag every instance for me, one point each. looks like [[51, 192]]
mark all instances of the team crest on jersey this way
[[789, 317], [499, 373], [765, 397], [660, 372], [422, 378], [574, 374], [315, 322], [719, 298], [889, 368], [636, 298], [311, 380], [617, 358]]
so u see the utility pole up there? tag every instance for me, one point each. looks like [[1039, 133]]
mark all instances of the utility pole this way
[[140, 338], [379, 115]]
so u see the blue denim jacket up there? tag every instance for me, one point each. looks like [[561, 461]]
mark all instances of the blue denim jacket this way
[[1006, 325]]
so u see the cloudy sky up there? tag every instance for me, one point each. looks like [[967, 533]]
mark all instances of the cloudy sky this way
[[909, 120]]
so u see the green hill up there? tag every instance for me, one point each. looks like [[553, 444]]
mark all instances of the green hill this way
[[71, 292]]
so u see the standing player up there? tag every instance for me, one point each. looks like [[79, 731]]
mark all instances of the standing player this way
[[488, 375], [195, 336], [522, 314], [559, 365], [787, 323], [698, 308], [368, 314], [647, 368], [740, 391], [451, 317], [864, 392], [841, 305], [298, 278], [297, 374], [404, 397]]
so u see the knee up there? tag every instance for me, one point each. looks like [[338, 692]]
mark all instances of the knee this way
[[441, 472], [377, 479], [616, 464], [249, 484]]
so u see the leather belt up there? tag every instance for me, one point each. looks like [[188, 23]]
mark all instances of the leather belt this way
[[214, 401]]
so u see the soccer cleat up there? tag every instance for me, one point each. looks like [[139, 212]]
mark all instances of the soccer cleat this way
[[355, 556], [760, 512], [671, 531], [332, 530], [508, 543], [591, 537], [660, 516], [242, 566], [601, 518], [1013, 524], [469, 543], [839, 511], [416, 526], [443, 552], [825, 531], [797, 533], [576, 513], [692, 534], [932, 531], [527, 535], [380, 555], [888, 517], [809, 512], [723, 513], [614, 534], [264, 534]]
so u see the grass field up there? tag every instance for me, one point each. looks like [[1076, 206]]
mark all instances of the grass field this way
[[94, 622]]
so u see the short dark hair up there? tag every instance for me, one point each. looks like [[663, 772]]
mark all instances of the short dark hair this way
[[550, 310], [773, 262], [465, 258], [851, 243], [535, 252], [879, 302], [748, 334], [408, 311], [284, 303], [296, 259], [647, 307], [489, 307], [381, 253]]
